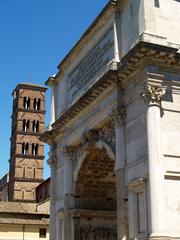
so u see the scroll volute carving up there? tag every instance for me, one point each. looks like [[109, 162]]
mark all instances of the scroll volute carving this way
[[154, 94]]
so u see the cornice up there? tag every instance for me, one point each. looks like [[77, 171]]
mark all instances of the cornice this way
[[92, 94], [30, 86], [27, 157], [38, 134], [28, 111], [18, 179], [143, 51]]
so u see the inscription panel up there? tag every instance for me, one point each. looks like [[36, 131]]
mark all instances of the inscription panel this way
[[91, 66]]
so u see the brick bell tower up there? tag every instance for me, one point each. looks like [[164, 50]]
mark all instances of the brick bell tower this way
[[27, 151]]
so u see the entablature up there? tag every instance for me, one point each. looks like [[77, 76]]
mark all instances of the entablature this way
[[141, 55]]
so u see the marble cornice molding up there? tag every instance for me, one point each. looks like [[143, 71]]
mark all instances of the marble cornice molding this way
[[49, 136], [153, 94], [107, 80], [51, 81], [118, 5], [137, 183], [146, 53]]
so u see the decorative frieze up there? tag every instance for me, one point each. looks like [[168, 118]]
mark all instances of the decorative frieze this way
[[98, 228], [129, 64]]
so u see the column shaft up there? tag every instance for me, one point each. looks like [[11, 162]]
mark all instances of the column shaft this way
[[156, 176]]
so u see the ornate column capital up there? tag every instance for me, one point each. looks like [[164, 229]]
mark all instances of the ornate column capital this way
[[118, 116], [52, 160], [153, 94], [68, 152]]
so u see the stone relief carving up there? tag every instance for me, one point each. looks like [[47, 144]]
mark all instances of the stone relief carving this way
[[154, 94], [107, 134], [90, 136], [90, 233], [118, 116], [95, 230]]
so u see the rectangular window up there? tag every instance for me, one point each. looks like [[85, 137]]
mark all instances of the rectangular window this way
[[42, 233]]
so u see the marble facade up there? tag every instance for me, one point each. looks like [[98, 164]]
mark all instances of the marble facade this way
[[114, 130]]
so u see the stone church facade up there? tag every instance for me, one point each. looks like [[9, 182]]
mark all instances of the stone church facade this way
[[115, 129]]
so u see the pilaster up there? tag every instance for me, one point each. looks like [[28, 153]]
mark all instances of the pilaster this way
[[118, 117], [52, 162], [68, 154]]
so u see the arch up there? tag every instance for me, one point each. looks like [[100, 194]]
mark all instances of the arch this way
[[101, 145], [95, 191], [110, 151]]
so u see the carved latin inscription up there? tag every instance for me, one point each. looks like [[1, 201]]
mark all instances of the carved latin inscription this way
[[91, 66]]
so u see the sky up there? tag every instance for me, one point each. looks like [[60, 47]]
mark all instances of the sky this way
[[35, 35]]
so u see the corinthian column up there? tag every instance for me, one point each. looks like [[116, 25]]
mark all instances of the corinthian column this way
[[153, 96], [118, 117]]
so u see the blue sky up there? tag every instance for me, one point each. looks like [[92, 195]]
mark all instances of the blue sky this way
[[35, 35]]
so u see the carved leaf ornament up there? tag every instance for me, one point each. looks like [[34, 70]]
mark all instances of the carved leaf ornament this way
[[154, 94]]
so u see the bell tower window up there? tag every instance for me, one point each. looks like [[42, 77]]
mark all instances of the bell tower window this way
[[34, 149], [25, 148], [37, 104], [26, 124], [26, 102], [35, 126]]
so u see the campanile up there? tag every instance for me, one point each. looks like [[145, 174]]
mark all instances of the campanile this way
[[27, 151]]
